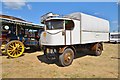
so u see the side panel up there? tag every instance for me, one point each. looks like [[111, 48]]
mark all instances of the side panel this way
[[75, 33], [93, 29], [91, 23], [91, 37]]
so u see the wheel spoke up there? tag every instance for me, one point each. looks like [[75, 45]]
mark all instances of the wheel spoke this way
[[11, 52], [14, 44], [16, 53], [11, 46], [19, 49], [17, 44]]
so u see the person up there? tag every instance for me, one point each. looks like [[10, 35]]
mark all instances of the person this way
[[21, 35]]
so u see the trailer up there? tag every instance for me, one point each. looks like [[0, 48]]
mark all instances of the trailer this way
[[63, 35], [17, 34], [115, 37]]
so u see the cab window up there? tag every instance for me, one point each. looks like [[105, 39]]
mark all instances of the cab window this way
[[54, 24], [69, 25]]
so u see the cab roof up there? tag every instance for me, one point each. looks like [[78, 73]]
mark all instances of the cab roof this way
[[58, 19]]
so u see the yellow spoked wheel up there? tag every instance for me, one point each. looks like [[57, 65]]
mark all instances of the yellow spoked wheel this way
[[2, 47], [15, 48]]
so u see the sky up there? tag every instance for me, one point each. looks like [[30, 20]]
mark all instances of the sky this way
[[32, 11]]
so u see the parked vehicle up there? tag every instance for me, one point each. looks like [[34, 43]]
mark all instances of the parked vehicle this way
[[62, 36], [114, 37], [18, 34]]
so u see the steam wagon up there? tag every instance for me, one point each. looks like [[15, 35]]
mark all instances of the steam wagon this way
[[16, 34], [63, 35]]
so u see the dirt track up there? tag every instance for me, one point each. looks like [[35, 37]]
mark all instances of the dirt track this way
[[34, 65]]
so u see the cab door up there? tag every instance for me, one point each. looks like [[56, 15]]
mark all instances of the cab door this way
[[69, 25], [68, 37]]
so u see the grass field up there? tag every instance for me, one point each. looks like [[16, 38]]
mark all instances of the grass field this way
[[34, 65]]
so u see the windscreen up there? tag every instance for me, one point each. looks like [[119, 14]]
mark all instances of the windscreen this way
[[54, 24]]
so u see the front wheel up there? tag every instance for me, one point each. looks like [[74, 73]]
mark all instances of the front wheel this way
[[67, 57]]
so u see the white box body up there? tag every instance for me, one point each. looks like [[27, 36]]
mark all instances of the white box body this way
[[87, 29], [94, 29]]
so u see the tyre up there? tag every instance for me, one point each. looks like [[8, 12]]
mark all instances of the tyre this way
[[15, 48], [98, 50], [67, 57], [115, 42], [2, 47]]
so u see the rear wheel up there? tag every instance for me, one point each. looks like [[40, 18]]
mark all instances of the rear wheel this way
[[15, 48], [2, 47], [98, 49], [67, 57], [115, 42]]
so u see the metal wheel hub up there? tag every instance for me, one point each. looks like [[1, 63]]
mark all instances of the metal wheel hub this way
[[99, 49], [68, 57]]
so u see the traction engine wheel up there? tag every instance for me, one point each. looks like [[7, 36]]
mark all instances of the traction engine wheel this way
[[15, 48], [2, 47]]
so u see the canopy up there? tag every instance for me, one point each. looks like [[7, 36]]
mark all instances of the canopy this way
[[14, 20]]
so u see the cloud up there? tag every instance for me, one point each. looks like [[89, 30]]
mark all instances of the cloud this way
[[16, 4], [118, 2], [29, 6], [96, 13], [115, 22], [12, 0]]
